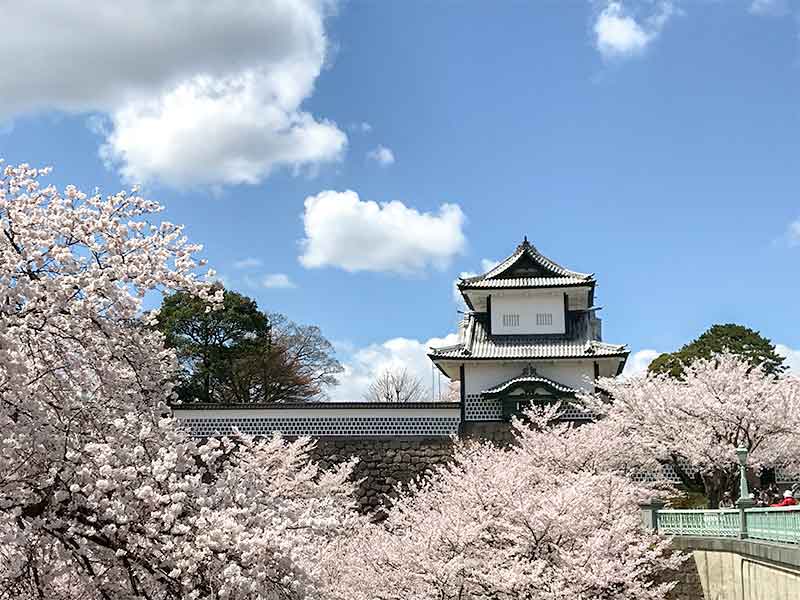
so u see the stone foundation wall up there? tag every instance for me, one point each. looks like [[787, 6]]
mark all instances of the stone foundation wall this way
[[499, 432], [383, 462]]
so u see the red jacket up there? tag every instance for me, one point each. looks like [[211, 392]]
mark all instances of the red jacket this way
[[785, 502]]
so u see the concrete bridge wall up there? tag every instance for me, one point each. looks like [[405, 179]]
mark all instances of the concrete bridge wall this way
[[732, 569]]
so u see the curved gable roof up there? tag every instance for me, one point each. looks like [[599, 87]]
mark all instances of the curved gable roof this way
[[530, 380], [527, 268]]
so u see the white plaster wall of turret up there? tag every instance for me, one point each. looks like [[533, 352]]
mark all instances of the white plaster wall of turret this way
[[578, 297], [483, 376], [539, 313]]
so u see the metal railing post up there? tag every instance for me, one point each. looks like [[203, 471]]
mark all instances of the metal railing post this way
[[649, 511], [745, 500]]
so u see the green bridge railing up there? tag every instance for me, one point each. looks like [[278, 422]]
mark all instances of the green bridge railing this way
[[780, 525]]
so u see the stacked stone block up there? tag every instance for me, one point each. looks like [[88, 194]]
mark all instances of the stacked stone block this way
[[383, 463]]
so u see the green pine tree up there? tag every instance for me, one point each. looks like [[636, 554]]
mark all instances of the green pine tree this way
[[733, 338]]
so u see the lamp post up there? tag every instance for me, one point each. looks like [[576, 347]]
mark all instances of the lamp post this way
[[745, 500], [744, 493]]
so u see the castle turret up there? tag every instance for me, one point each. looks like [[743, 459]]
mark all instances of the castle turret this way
[[531, 335]]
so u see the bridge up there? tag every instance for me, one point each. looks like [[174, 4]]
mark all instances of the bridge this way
[[737, 554]]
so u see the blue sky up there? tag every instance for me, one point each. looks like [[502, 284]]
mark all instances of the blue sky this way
[[653, 143]]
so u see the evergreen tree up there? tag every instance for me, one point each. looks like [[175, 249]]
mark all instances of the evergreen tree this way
[[240, 354], [735, 339]]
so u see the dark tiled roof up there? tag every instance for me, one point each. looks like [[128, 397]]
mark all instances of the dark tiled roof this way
[[547, 273], [530, 379], [524, 282], [478, 344]]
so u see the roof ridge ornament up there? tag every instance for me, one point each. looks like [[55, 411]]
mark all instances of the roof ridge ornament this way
[[527, 246]]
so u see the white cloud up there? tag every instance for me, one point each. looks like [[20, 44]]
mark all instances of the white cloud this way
[[187, 93], [247, 263], [381, 155], [619, 35], [457, 297], [487, 264], [793, 234], [362, 127], [398, 353], [277, 280], [639, 361], [345, 232], [769, 8], [792, 357]]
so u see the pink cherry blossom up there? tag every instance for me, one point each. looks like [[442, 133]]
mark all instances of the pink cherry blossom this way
[[553, 517], [101, 495], [696, 423]]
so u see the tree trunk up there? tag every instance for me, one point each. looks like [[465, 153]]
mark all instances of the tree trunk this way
[[716, 484]]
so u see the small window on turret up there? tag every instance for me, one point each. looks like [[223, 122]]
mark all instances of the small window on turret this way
[[510, 320]]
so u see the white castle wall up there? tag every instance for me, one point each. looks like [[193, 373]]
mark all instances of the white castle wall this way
[[323, 420], [527, 305], [483, 376]]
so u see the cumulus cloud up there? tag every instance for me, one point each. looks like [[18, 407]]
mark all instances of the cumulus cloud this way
[[487, 264], [639, 361], [247, 263], [769, 8], [381, 155], [793, 233], [345, 232], [277, 280], [364, 364], [186, 93], [792, 357], [618, 34]]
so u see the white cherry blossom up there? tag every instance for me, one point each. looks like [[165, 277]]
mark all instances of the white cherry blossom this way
[[101, 495], [697, 422], [555, 516]]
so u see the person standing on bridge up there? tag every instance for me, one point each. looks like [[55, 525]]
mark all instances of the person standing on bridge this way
[[788, 500], [727, 501]]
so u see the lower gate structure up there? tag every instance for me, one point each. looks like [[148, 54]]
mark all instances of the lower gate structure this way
[[531, 337]]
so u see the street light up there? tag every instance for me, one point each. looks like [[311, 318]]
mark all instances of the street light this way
[[745, 500]]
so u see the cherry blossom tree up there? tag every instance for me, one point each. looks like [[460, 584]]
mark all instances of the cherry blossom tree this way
[[101, 494], [554, 516], [696, 423], [452, 393]]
